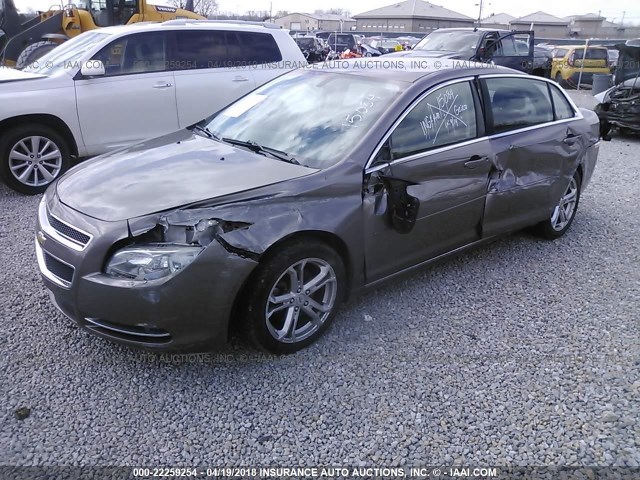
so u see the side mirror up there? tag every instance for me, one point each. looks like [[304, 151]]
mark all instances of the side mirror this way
[[403, 207], [92, 68]]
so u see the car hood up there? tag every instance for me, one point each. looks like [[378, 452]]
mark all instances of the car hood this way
[[12, 75], [427, 53], [167, 172], [628, 63]]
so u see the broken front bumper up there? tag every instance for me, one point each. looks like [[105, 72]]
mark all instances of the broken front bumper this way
[[190, 311]]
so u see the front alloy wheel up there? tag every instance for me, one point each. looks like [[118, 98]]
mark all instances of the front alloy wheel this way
[[301, 300], [292, 297], [31, 157], [35, 161]]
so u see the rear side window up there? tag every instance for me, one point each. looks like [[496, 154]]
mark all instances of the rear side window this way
[[224, 49], [562, 107], [592, 54], [518, 103], [444, 117], [259, 48], [201, 49]]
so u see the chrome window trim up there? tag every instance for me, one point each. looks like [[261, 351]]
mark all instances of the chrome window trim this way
[[368, 169], [576, 110], [404, 115], [57, 236], [45, 271]]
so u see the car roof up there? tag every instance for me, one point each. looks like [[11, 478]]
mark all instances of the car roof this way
[[410, 69], [472, 29], [191, 24]]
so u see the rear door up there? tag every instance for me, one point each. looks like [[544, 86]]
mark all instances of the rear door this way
[[210, 72], [134, 100], [437, 157], [536, 150]]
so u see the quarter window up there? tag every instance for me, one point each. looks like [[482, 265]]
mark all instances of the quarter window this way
[[562, 107], [443, 117], [518, 103], [139, 53]]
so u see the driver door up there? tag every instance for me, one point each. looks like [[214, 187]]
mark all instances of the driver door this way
[[502, 50], [134, 100], [425, 191]]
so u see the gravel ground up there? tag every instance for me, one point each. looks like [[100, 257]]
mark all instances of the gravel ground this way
[[521, 352]]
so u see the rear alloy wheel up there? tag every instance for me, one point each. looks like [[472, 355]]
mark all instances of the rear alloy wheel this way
[[564, 212], [32, 158], [294, 296]]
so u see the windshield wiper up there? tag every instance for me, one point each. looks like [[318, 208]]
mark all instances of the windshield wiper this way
[[206, 131], [257, 148]]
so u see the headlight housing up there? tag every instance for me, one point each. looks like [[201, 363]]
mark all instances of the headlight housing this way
[[151, 261]]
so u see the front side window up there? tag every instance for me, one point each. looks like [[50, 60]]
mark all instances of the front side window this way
[[444, 117], [518, 103], [139, 53]]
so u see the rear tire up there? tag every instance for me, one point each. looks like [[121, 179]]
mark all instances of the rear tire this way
[[293, 296], [564, 212], [31, 157], [33, 52]]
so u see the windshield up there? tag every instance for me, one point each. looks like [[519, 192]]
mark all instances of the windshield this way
[[450, 41], [306, 42], [314, 116], [69, 55]]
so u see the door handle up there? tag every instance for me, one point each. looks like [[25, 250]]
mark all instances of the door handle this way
[[239, 78], [476, 161], [163, 85]]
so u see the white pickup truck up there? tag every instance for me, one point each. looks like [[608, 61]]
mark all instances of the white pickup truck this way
[[115, 86]]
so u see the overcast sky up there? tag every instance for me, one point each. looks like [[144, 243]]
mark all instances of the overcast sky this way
[[612, 9]]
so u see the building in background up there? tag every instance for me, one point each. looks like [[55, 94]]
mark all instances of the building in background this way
[[313, 22], [410, 16], [592, 25], [544, 25], [498, 20]]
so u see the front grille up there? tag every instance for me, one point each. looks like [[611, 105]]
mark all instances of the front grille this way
[[68, 231], [59, 269], [128, 333]]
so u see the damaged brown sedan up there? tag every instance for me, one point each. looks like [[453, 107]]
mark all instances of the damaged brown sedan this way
[[324, 182]]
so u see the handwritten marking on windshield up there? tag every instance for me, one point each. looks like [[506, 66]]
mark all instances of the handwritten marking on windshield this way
[[360, 112], [447, 113]]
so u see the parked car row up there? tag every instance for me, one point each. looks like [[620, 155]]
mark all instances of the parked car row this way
[[115, 86]]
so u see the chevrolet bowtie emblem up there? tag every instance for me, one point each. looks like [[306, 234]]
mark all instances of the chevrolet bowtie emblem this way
[[41, 238]]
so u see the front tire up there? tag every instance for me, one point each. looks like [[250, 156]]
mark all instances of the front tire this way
[[31, 157], [293, 296], [564, 212]]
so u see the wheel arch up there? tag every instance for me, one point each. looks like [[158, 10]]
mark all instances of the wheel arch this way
[[329, 238], [48, 120]]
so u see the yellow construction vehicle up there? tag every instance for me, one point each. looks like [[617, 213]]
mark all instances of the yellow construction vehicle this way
[[22, 43]]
